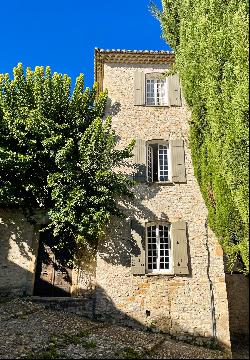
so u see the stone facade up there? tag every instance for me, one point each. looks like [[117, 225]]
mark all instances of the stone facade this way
[[194, 304]]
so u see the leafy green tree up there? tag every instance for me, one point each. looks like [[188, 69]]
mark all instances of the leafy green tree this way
[[57, 153], [210, 40]]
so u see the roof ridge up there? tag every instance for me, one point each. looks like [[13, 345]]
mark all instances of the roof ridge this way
[[134, 51]]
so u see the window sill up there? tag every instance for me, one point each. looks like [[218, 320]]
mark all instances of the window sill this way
[[160, 274], [160, 106], [160, 183], [164, 106]]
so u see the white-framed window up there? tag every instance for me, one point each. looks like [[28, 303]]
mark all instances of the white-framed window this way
[[158, 248], [158, 161], [156, 90]]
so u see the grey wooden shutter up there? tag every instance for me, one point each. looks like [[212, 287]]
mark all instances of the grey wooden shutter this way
[[139, 88], [138, 257], [174, 90], [140, 160], [179, 243], [178, 161]]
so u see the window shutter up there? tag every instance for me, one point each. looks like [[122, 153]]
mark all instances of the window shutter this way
[[174, 90], [140, 160], [138, 259], [139, 88], [179, 241], [178, 161]]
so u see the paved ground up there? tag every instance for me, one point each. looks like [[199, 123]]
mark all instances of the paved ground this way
[[29, 331]]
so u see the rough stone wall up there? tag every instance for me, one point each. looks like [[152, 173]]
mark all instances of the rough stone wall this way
[[182, 305], [238, 304], [83, 276], [18, 249]]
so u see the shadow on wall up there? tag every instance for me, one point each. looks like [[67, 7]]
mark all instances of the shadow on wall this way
[[237, 286], [26, 259], [106, 311], [117, 245], [98, 306], [14, 276], [17, 252], [112, 109], [17, 286], [238, 305], [95, 304], [12, 227]]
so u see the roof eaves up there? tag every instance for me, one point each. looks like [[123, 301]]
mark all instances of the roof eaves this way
[[127, 57]]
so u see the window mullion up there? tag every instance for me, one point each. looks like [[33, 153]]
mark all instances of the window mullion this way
[[170, 249], [158, 161], [155, 91], [167, 92], [157, 248], [161, 93], [152, 164]]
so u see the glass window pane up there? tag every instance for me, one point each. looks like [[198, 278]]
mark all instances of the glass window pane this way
[[155, 92], [163, 162], [158, 248]]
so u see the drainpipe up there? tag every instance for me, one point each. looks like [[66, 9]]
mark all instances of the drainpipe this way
[[213, 320]]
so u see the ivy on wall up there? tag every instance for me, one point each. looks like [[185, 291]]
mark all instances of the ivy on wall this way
[[58, 154], [210, 40]]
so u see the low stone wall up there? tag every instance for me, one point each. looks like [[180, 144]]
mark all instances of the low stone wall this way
[[83, 306]]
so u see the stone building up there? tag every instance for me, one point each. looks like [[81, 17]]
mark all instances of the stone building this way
[[161, 267], [176, 280]]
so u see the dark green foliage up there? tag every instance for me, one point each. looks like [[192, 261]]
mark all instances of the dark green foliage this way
[[210, 40], [58, 154]]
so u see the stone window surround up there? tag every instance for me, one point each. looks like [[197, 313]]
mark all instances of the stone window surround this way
[[165, 143], [157, 82], [158, 271]]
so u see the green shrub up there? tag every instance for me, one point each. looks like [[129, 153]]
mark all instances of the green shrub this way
[[210, 40]]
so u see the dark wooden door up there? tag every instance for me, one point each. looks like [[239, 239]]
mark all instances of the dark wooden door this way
[[51, 278]]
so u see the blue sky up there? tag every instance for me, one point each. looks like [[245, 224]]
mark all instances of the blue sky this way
[[63, 33]]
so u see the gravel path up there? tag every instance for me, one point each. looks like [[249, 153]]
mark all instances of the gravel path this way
[[29, 331]]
